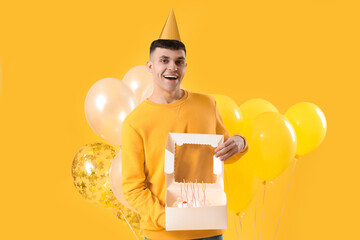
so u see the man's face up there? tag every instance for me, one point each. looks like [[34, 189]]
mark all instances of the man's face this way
[[168, 68]]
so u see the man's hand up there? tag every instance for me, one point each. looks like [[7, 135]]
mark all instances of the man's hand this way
[[230, 147]]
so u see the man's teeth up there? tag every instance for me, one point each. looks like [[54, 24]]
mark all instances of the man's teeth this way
[[170, 77]]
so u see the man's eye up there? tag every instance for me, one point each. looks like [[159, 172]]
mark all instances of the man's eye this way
[[179, 62], [163, 60]]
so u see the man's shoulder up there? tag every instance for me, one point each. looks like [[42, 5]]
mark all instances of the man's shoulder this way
[[139, 112], [202, 97]]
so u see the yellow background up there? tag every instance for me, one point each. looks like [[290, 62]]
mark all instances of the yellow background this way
[[51, 52]]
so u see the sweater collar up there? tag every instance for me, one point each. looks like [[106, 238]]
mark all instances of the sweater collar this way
[[176, 103]]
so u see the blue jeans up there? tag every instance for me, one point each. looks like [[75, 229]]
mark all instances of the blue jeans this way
[[219, 237]]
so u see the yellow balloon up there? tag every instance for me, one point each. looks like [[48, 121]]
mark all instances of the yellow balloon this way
[[272, 145], [241, 184], [230, 113], [310, 126], [253, 107]]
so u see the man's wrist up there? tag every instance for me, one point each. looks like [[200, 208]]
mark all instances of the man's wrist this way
[[243, 141]]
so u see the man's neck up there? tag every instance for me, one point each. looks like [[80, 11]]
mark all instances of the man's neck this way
[[165, 97]]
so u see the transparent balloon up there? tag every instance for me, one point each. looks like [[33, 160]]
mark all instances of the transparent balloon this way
[[90, 172]]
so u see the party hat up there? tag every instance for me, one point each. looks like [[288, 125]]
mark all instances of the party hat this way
[[170, 29]]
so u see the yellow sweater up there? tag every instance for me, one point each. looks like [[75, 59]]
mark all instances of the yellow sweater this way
[[144, 135]]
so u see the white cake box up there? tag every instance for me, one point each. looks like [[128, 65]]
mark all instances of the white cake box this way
[[193, 161]]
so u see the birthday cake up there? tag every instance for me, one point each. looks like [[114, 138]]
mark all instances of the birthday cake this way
[[184, 204], [192, 195]]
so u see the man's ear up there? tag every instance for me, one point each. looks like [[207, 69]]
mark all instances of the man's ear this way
[[149, 65]]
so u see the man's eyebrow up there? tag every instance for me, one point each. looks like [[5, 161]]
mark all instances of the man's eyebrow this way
[[163, 56]]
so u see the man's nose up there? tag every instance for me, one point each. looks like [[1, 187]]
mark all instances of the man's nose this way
[[172, 66]]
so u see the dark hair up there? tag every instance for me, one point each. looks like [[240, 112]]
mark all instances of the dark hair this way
[[168, 44]]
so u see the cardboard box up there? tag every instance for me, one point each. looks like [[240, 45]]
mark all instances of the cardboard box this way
[[190, 157]]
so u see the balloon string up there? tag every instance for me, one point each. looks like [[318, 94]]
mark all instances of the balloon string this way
[[140, 229], [262, 214], [237, 234], [241, 229], [255, 222], [227, 186], [129, 224], [287, 191]]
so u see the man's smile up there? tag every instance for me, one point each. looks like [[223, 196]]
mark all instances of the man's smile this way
[[171, 76]]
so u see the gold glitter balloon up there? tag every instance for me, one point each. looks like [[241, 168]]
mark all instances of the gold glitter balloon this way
[[90, 171], [132, 217]]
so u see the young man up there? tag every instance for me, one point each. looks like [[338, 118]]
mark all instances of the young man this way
[[144, 135]]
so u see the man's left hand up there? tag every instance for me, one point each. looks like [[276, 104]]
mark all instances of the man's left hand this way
[[230, 147]]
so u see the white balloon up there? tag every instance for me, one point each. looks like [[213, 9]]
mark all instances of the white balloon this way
[[115, 181], [107, 104], [138, 79]]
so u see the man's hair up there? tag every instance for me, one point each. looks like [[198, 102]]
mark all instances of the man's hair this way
[[168, 44]]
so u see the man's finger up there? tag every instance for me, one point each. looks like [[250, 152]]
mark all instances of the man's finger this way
[[224, 144], [228, 154], [224, 150]]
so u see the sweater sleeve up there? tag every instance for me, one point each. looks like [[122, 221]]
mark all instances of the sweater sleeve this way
[[220, 129], [134, 184]]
